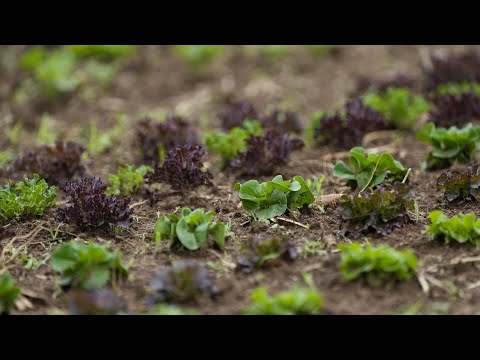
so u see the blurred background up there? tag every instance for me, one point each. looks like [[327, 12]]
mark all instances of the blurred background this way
[[93, 94]]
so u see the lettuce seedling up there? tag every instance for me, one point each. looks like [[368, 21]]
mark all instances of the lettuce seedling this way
[[192, 230], [99, 301], [57, 164], [182, 169], [99, 141], [88, 266], [398, 106], [182, 282], [8, 293], [198, 56], [457, 89], [462, 228], [6, 156], [64, 69], [379, 211], [127, 181], [295, 301], [265, 252], [377, 265], [367, 84], [89, 208], [315, 185], [266, 200], [346, 129], [155, 138], [53, 71], [286, 121], [26, 198], [102, 52], [265, 153], [450, 145], [229, 145], [236, 113], [369, 171], [455, 110], [456, 68], [460, 185]]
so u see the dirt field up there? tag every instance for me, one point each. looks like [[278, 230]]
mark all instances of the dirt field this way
[[154, 82]]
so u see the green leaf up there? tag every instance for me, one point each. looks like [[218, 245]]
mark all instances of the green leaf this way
[[98, 278], [186, 236], [275, 205], [8, 293], [369, 171]]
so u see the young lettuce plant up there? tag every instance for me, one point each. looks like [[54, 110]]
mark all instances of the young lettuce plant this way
[[369, 171], [456, 68], [461, 228], [265, 153], [182, 169], [56, 164], [265, 252], [198, 56], [90, 208], [267, 200], [8, 293], [236, 113], [183, 282], [398, 106], [460, 185], [192, 230], [88, 266], [315, 185], [154, 138], [345, 129], [379, 211], [127, 181], [455, 109], [456, 89], [377, 265], [98, 301], [229, 145], [102, 52], [367, 84], [450, 145], [26, 198], [295, 301]]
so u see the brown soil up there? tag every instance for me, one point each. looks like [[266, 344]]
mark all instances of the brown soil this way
[[156, 81]]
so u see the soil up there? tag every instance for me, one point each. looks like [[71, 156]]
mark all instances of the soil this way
[[154, 82]]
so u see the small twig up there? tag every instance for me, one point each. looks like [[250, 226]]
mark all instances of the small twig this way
[[246, 222], [423, 283], [406, 175], [292, 222], [32, 233], [138, 204], [473, 285]]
